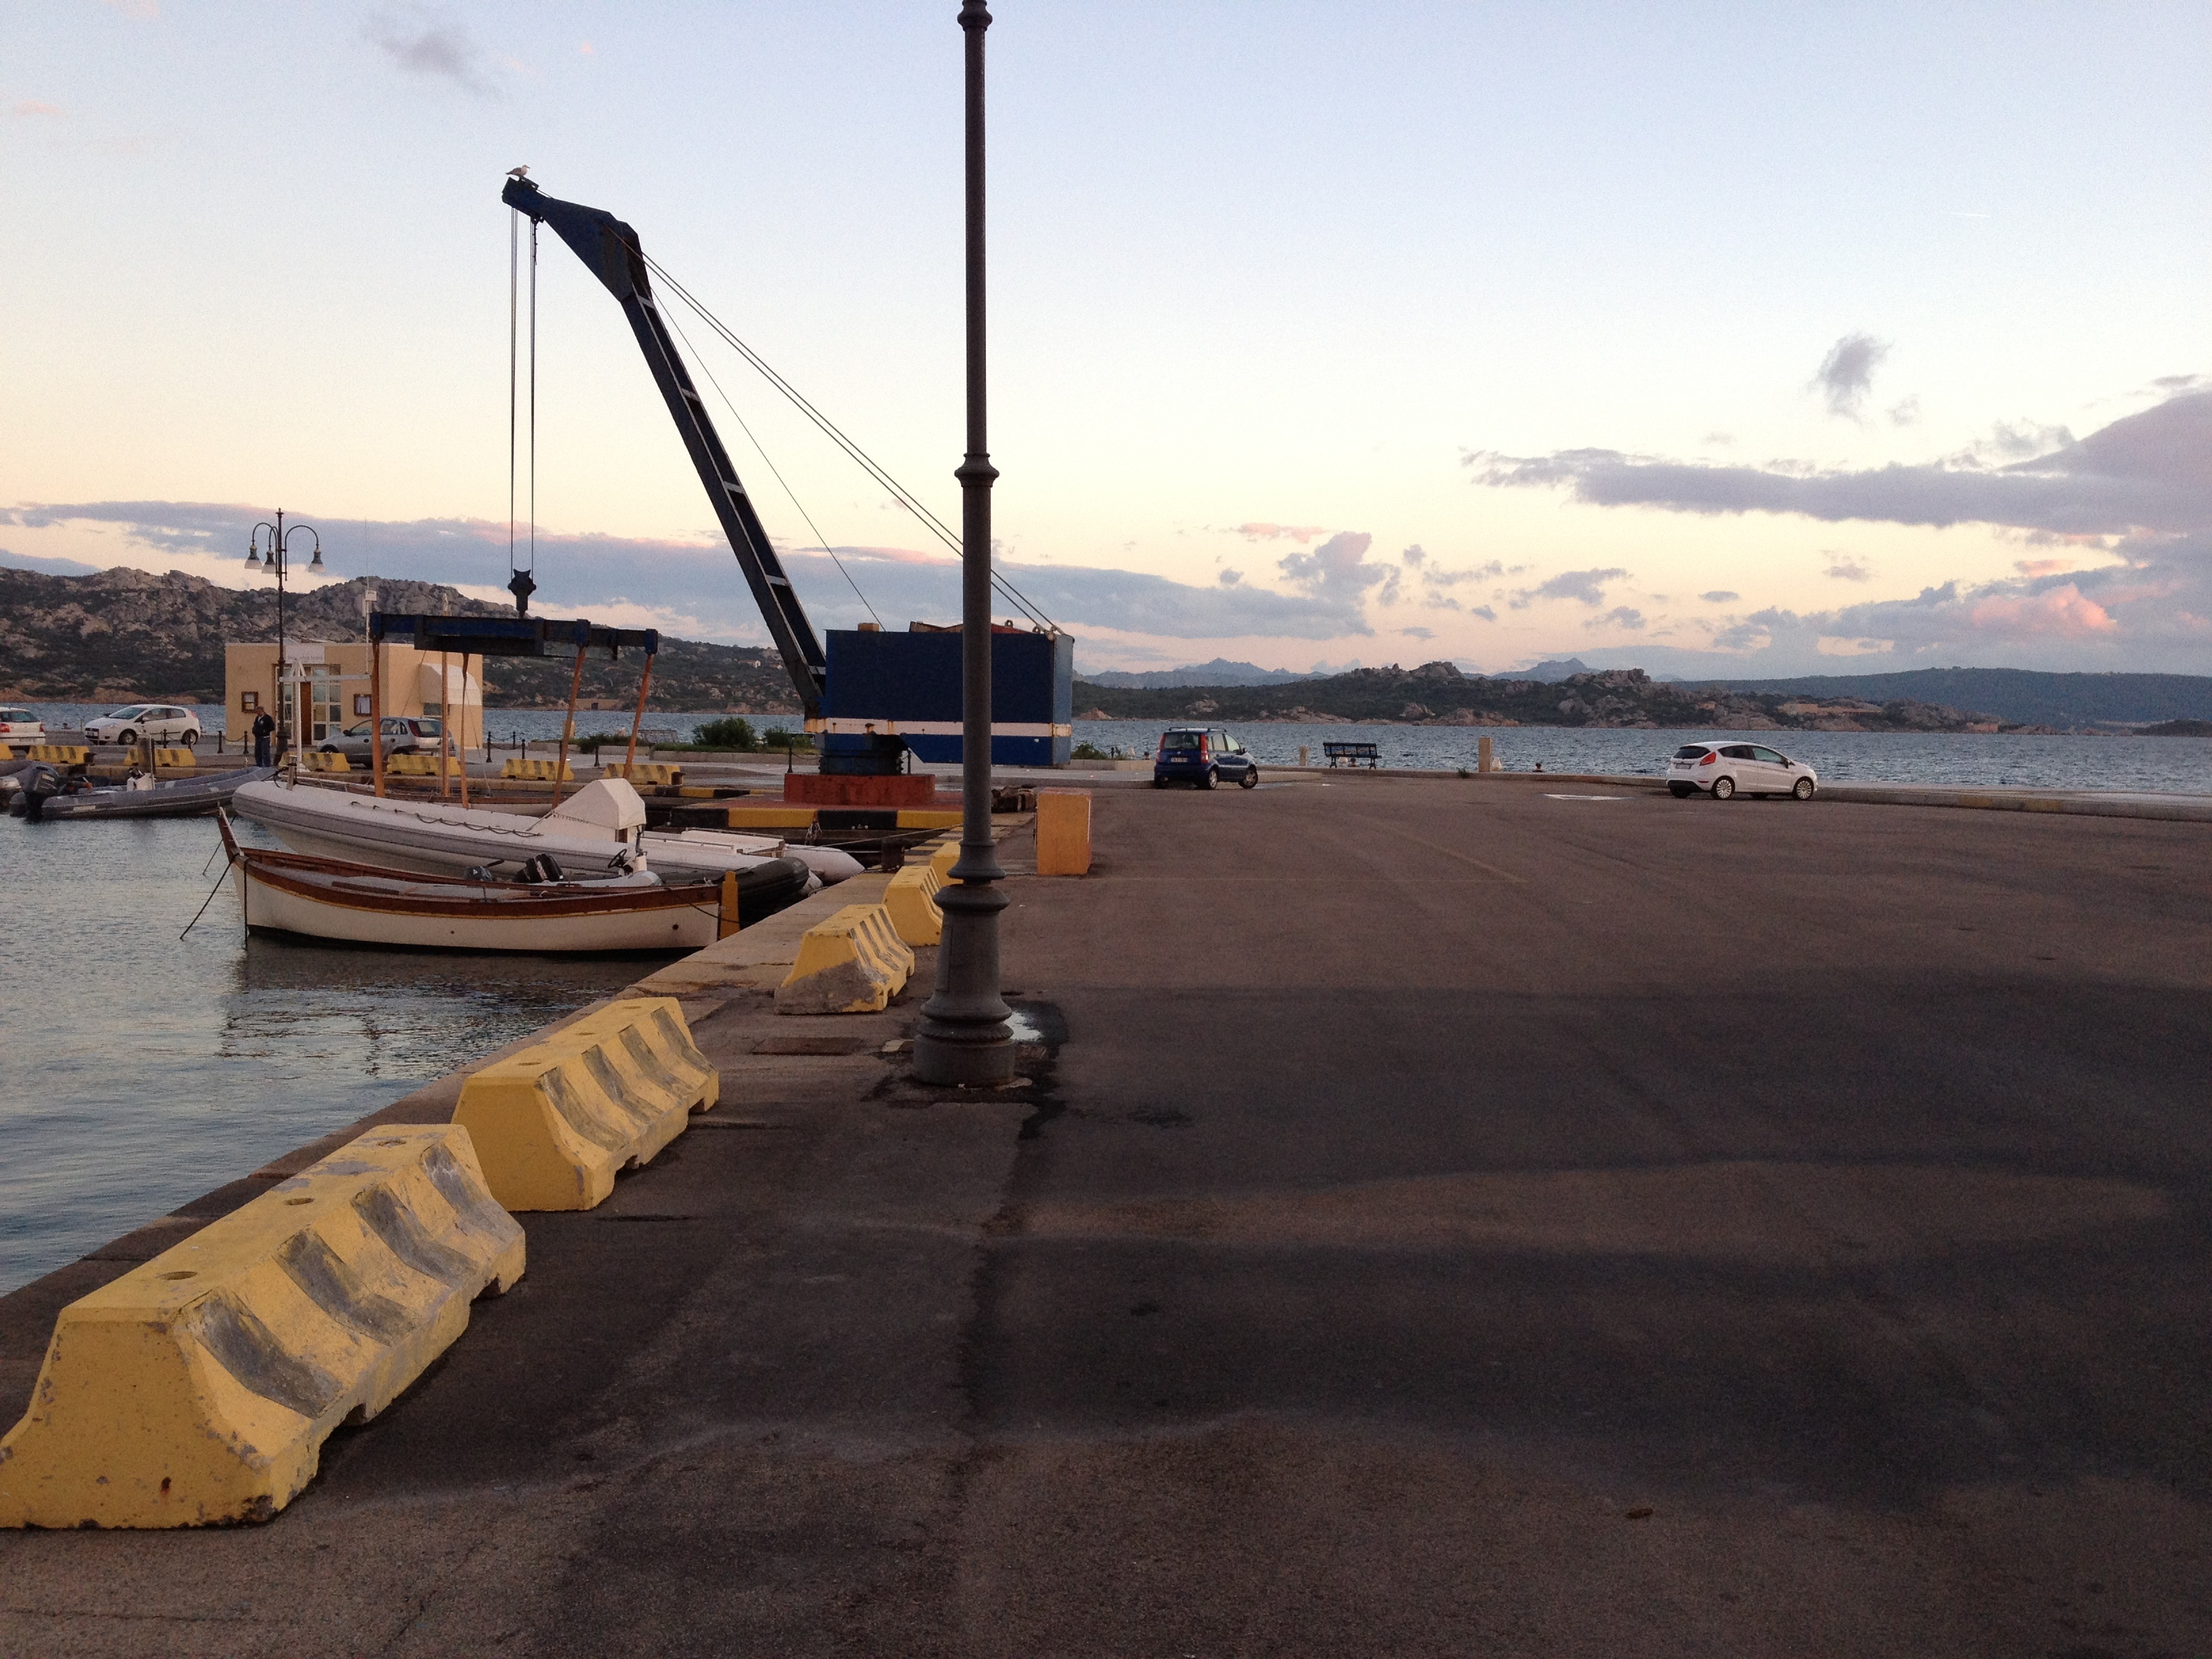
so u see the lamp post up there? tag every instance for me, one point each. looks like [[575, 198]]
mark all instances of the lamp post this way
[[964, 1036], [278, 560]]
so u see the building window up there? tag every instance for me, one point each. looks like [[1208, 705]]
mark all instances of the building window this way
[[249, 702]]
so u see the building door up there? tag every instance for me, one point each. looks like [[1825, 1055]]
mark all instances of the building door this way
[[325, 714]]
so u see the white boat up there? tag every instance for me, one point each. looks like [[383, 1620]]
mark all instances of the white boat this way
[[348, 903], [600, 827]]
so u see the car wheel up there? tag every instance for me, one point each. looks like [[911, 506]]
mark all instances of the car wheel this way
[[329, 749], [1724, 787], [1159, 783], [126, 738], [1211, 778], [1250, 780], [1681, 791], [190, 740], [1803, 789]]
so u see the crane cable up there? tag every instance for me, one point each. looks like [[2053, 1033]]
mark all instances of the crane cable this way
[[819, 538], [830, 429]]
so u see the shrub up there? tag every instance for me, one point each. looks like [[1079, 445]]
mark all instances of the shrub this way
[[732, 731], [1088, 750], [776, 737]]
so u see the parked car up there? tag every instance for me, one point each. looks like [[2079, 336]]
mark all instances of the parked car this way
[[163, 722], [21, 725], [1202, 755], [1722, 769], [402, 735]]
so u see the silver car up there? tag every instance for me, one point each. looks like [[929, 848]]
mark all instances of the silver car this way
[[1724, 769], [402, 735]]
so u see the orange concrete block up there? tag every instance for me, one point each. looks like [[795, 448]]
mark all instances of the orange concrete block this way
[[1063, 832]]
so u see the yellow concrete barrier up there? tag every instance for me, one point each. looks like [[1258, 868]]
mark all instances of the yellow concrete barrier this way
[[653, 772], [853, 964], [928, 817], [175, 757], [1063, 832], [62, 754], [7, 752], [770, 817], [421, 766], [199, 1386], [942, 859], [315, 760], [911, 899], [555, 1122], [538, 771]]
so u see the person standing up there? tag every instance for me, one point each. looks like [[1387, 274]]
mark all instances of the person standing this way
[[265, 725]]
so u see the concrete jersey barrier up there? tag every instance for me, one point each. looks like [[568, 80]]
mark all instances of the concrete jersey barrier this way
[[853, 964], [555, 1122], [199, 1388], [910, 899]]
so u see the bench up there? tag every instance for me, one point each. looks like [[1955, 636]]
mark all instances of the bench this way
[[1350, 754]]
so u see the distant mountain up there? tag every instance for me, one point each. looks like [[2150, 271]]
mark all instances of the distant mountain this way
[[122, 635], [1438, 694], [1220, 671], [1557, 668], [2019, 696]]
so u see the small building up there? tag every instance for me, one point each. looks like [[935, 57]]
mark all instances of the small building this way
[[331, 686]]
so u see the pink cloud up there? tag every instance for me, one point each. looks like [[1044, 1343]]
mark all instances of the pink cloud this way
[[1300, 533], [2060, 611]]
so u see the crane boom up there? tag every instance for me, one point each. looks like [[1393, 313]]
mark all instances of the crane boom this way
[[609, 250]]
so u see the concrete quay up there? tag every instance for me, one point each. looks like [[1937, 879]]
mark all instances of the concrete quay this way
[[1432, 1221]]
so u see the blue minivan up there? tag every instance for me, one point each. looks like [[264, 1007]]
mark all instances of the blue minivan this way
[[1203, 754]]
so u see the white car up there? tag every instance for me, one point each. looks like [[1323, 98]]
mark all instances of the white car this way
[[21, 725], [163, 722], [1722, 769]]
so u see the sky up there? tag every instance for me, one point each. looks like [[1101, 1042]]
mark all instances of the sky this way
[[1712, 339]]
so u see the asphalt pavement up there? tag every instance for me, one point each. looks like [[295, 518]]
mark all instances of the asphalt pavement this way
[[1438, 1217]]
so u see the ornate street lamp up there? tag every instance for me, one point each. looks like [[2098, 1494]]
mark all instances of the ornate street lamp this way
[[277, 563], [963, 1037]]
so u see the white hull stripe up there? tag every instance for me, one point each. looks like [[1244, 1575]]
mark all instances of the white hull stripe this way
[[845, 727]]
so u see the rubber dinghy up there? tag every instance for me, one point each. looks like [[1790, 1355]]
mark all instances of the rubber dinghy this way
[[349, 903], [42, 794], [600, 827]]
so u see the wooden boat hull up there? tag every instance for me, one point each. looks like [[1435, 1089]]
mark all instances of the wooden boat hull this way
[[344, 902]]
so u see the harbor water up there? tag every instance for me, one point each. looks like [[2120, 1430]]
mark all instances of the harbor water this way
[[139, 1070]]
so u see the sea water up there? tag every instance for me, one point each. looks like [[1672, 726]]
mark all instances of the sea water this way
[[139, 1069]]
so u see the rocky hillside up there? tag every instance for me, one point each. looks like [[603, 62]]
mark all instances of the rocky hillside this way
[[1438, 694], [126, 634]]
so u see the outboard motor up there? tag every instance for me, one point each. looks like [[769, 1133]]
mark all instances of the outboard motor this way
[[40, 785], [543, 867]]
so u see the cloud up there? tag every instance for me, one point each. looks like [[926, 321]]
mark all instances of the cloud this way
[[1484, 612], [1905, 414], [1844, 569], [1620, 616], [1300, 533], [1413, 557], [1846, 373], [1418, 633], [1435, 578], [31, 107], [1584, 586], [440, 50], [1336, 576], [586, 575], [1230, 578], [2149, 472], [1720, 596]]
